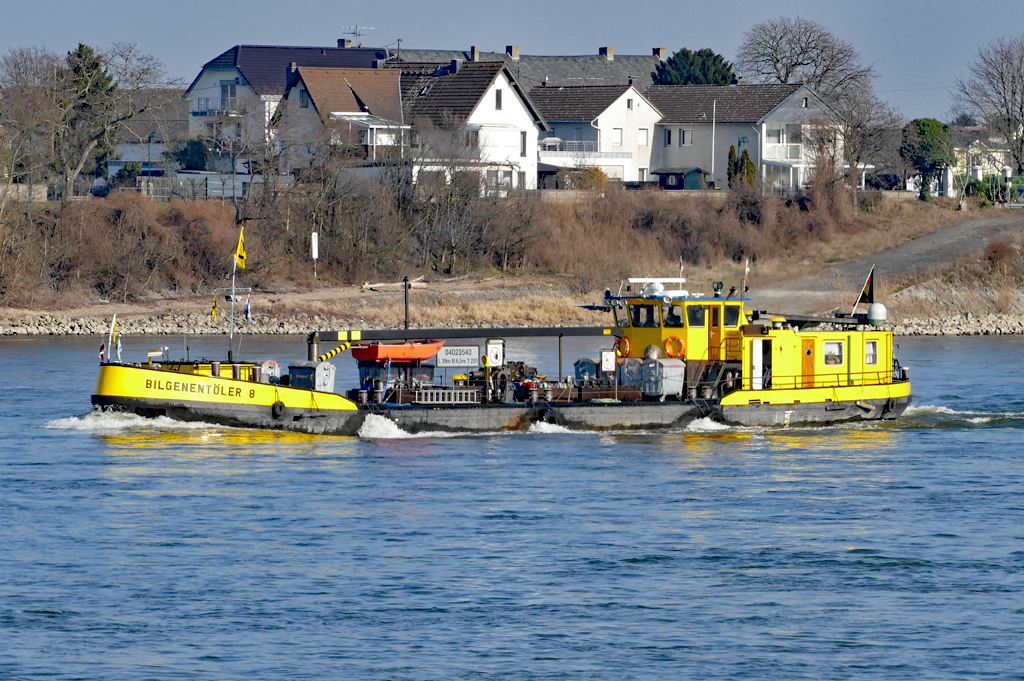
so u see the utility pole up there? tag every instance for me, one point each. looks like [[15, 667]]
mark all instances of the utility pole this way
[[714, 111]]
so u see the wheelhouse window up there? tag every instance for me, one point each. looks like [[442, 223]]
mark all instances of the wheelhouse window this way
[[672, 316], [621, 316], [833, 351], [695, 316], [871, 353], [644, 316], [732, 316]]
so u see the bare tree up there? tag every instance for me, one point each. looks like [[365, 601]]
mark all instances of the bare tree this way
[[994, 93], [798, 50]]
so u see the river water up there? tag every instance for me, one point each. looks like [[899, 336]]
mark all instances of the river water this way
[[139, 549]]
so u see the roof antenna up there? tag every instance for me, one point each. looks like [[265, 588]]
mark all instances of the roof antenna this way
[[356, 32]]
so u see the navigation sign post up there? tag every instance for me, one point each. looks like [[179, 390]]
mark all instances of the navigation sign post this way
[[314, 243]]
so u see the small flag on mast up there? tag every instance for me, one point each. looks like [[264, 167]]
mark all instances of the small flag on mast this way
[[867, 294], [248, 312], [103, 348], [746, 275], [214, 310], [240, 249]]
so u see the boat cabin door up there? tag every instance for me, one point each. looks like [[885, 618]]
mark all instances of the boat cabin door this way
[[807, 365], [714, 333]]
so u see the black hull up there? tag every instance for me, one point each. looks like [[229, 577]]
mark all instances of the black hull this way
[[510, 417]]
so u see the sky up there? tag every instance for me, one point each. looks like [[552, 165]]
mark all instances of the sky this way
[[919, 48]]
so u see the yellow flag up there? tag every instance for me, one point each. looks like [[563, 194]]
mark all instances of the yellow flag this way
[[214, 311], [240, 250]]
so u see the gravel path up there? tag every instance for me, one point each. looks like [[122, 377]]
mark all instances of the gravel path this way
[[818, 292]]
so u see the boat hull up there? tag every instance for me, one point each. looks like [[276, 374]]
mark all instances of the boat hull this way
[[151, 392]]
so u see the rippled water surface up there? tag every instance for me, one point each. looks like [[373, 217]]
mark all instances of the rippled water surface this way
[[150, 549]]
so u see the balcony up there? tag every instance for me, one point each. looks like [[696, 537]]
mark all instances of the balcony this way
[[572, 146], [783, 152], [208, 106]]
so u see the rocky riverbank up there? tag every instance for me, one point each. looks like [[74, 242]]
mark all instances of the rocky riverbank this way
[[197, 324], [180, 324]]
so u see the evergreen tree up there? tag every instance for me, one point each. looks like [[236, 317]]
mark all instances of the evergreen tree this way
[[731, 168], [703, 67], [928, 147], [747, 169]]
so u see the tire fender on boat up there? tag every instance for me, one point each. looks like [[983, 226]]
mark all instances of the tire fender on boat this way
[[277, 409]]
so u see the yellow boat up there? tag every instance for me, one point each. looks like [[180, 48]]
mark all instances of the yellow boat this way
[[670, 358], [755, 368]]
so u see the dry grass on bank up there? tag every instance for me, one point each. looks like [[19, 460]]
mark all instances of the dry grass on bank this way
[[989, 281], [125, 249], [437, 310]]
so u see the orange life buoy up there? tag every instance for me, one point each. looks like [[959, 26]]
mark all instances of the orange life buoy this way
[[622, 347], [669, 352]]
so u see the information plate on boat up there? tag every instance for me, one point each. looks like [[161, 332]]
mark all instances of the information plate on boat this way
[[459, 356]]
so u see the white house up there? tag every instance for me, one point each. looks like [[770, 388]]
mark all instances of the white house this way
[[701, 123], [484, 105], [611, 127]]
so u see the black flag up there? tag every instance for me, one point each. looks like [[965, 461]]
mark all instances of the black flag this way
[[867, 294]]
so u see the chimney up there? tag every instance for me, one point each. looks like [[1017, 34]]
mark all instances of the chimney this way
[[294, 67], [742, 80], [607, 52], [378, 63], [474, 53], [344, 42], [512, 51], [456, 63], [659, 52], [631, 80], [545, 83]]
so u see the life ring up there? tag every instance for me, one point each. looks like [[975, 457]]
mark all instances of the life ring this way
[[669, 352], [622, 347], [277, 409]]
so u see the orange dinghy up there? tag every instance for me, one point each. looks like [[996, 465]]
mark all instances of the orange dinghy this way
[[403, 352]]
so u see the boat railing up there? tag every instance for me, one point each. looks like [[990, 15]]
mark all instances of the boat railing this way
[[447, 396], [777, 382]]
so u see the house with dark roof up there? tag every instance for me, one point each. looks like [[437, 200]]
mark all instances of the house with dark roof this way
[[603, 68], [253, 78], [610, 127], [360, 108], [473, 117], [441, 119], [701, 122]]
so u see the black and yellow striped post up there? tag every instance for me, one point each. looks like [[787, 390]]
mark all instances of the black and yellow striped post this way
[[336, 351]]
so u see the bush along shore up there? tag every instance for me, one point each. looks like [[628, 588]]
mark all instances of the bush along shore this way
[[198, 324]]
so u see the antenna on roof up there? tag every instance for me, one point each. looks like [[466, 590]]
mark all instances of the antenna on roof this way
[[356, 32]]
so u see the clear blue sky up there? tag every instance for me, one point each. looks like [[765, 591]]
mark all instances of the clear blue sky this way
[[918, 47]]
